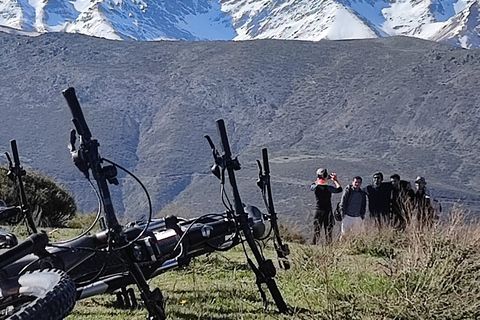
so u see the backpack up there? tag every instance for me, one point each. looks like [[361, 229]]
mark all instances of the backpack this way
[[337, 213]]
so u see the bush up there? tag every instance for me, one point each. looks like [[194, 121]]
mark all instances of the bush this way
[[81, 221], [290, 234], [417, 273], [51, 204]]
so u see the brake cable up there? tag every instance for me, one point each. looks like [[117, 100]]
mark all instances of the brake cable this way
[[99, 212], [56, 244], [150, 213]]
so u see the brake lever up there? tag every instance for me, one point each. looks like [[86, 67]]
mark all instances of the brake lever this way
[[210, 142], [261, 177], [10, 164], [10, 173], [218, 160], [78, 156], [73, 138]]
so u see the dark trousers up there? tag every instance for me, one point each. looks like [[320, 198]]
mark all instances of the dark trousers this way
[[323, 218]]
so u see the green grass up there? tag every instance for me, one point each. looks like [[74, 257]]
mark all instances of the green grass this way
[[431, 274]]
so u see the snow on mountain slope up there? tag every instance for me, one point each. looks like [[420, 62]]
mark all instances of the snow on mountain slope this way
[[409, 18], [91, 21], [142, 20], [369, 11], [462, 29], [451, 21], [415, 19], [304, 20], [11, 14], [151, 20]]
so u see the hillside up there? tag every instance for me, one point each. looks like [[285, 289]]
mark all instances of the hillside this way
[[398, 105]]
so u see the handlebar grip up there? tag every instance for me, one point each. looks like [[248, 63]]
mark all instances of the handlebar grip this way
[[223, 138], [266, 166], [16, 158], [33, 244], [78, 118]]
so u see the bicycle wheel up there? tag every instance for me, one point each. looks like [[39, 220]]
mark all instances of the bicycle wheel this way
[[41, 294]]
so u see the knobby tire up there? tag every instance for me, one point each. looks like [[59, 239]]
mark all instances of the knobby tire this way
[[44, 294]]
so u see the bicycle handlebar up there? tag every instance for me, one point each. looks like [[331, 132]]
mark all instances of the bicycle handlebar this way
[[78, 118], [265, 271], [266, 166], [282, 248], [223, 138], [35, 243], [16, 158]]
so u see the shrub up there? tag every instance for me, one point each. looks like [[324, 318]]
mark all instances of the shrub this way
[[291, 234], [81, 221], [51, 204], [415, 273]]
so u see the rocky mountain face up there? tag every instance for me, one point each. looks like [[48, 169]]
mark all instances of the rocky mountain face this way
[[449, 21], [396, 105]]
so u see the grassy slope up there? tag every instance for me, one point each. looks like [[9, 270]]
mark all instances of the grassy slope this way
[[433, 274]]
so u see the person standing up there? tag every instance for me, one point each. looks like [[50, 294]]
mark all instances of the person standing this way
[[423, 204], [353, 206], [323, 210], [402, 202], [379, 198]]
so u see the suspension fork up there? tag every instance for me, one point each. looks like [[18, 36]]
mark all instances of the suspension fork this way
[[266, 270], [16, 172], [264, 182]]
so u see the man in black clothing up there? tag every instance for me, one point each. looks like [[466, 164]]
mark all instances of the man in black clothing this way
[[423, 204], [379, 199], [323, 210], [402, 202]]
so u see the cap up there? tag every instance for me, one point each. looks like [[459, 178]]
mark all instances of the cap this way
[[322, 173], [420, 179]]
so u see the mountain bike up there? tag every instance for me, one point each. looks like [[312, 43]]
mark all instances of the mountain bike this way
[[44, 293], [118, 256]]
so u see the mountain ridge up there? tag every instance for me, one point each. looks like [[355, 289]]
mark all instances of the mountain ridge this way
[[453, 22]]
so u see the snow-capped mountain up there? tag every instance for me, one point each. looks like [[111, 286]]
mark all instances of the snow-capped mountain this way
[[451, 21]]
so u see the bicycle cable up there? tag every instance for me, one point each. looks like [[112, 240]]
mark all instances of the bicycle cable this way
[[190, 227], [150, 214], [270, 217], [99, 212], [98, 215], [223, 195]]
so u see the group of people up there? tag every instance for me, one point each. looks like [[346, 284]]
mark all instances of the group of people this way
[[394, 203]]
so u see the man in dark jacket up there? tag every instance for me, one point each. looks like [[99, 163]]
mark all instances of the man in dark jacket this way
[[402, 202], [323, 210], [423, 204], [379, 199], [353, 206]]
